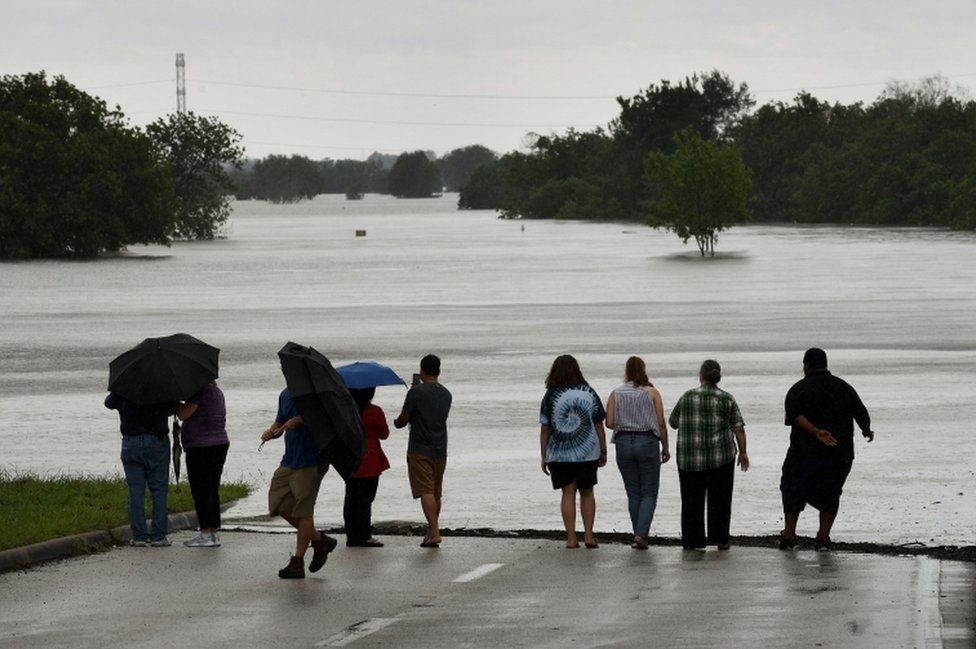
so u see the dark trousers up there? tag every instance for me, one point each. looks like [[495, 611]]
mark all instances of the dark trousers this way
[[697, 487], [204, 464], [358, 508]]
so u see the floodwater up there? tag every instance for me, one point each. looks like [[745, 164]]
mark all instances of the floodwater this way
[[893, 308]]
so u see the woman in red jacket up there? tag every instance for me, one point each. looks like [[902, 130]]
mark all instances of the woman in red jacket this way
[[361, 488]]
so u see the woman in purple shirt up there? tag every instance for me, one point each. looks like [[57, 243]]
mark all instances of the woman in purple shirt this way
[[205, 440]]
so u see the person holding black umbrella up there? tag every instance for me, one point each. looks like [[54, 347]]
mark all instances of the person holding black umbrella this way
[[295, 487], [145, 460], [204, 435], [145, 383]]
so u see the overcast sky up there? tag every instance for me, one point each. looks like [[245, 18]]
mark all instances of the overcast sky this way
[[520, 66]]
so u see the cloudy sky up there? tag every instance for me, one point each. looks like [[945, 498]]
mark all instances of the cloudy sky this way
[[342, 79]]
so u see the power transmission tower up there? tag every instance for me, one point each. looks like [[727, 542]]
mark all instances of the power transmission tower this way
[[180, 84]]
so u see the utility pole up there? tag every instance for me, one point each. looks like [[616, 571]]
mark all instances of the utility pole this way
[[180, 84]]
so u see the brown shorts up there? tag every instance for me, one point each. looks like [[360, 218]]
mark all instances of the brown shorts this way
[[426, 474], [293, 491]]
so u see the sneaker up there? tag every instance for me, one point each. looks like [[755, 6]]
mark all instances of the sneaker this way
[[161, 543], [215, 540], [639, 543], [202, 540], [321, 550], [787, 542], [294, 570], [138, 543], [823, 544]]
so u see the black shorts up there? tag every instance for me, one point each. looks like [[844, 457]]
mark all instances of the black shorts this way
[[566, 473], [815, 481]]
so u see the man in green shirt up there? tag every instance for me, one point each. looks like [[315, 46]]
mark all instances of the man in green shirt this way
[[710, 428]]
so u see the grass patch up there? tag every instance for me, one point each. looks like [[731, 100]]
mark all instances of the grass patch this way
[[37, 509]]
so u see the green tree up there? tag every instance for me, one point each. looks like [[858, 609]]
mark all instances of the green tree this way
[[702, 189], [285, 179], [457, 166], [414, 176], [199, 151], [75, 179]]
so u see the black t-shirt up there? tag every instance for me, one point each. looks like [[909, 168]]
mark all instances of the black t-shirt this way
[[829, 403], [428, 404], [140, 420]]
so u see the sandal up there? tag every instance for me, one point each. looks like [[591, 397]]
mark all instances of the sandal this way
[[427, 543]]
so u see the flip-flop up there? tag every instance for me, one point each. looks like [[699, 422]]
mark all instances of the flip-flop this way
[[591, 546], [372, 543], [430, 544], [572, 547]]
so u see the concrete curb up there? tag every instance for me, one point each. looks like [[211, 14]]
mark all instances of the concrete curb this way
[[28, 556]]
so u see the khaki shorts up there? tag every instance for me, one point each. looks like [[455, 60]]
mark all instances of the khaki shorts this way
[[426, 474], [293, 491]]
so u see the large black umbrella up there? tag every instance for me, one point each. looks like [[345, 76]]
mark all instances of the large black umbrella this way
[[326, 407], [163, 370]]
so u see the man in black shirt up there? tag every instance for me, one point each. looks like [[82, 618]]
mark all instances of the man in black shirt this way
[[821, 410], [426, 408], [145, 459]]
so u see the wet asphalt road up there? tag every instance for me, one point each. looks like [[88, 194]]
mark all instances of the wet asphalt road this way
[[486, 593]]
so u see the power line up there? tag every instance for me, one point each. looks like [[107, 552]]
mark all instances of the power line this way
[[349, 120], [423, 95], [861, 85], [126, 85]]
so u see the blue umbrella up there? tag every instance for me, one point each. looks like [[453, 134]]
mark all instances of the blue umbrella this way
[[368, 374]]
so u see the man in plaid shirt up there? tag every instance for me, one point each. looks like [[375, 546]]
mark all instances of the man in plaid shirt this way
[[710, 430]]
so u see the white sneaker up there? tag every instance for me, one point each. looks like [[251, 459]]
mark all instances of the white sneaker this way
[[203, 540], [161, 543]]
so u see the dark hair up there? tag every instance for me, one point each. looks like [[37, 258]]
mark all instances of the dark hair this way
[[430, 365], [711, 372], [815, 359], [362, 396], [636, 372], [564, 371]]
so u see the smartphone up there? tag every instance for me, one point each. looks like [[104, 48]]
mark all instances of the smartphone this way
[[416, 380]]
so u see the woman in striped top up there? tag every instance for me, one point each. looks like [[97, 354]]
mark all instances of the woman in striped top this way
[[636, 414]]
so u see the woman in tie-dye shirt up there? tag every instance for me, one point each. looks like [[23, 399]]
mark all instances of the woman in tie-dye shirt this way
[[573, 444]]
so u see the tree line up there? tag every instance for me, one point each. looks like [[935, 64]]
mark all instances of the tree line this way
[[908, 159], [414, 174], [76, 179]]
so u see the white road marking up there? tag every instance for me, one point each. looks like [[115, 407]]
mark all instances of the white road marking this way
[[928, 617], [478, 572], [357, 631]]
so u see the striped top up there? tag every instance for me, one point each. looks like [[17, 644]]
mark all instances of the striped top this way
[[634, 410]]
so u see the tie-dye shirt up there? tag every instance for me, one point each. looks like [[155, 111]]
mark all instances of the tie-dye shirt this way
[[570, 412]]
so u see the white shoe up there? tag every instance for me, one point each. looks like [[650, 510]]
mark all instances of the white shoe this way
[[201, 540], [214, 540], [160, 543]]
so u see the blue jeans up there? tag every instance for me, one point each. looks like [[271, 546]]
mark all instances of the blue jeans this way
[[145, 459], [639, 461]]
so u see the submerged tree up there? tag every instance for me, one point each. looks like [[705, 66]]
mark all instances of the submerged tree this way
[[75, 179], [199, 151], [702, 189], [414, 176]]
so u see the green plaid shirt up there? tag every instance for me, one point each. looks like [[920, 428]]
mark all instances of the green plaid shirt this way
[[705, 418]]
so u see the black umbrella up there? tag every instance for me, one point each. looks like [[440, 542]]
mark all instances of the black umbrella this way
[[326, 407], [163, 370]]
